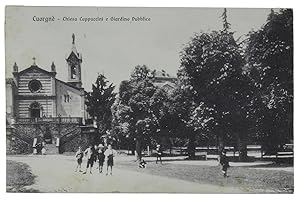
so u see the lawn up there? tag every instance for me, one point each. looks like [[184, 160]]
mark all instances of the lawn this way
[[249, 179], [18, 175]]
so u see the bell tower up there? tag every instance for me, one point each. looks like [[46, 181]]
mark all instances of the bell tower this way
[[74, 61]]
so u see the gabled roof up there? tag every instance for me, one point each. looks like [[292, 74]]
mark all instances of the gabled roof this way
[[161, 74], [67, 84], [74, 51], [35, 67]]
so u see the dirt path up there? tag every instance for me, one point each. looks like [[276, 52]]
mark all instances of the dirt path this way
[[56, 174]]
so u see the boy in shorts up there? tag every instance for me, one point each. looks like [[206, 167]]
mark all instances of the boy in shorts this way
[[101, 158], [79, 156], [109, 154], [89, 153]]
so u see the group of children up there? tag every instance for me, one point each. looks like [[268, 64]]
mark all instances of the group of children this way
[[96, 153], [106, 153]]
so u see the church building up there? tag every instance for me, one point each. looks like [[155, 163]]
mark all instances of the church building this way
[[40, 94], [41, 106]]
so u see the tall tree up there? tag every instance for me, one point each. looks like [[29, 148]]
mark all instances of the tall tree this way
[[99, 103], [270, 56], [139, 107], [211, 68]]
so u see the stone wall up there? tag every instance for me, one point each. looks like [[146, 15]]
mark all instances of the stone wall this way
[[20, 140]]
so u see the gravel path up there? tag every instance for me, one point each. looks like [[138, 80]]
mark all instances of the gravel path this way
[[55, 173]]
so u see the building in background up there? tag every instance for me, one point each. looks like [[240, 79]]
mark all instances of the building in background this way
[[164, 80]]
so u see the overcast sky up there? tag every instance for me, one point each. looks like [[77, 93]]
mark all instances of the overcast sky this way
[[113, 47]]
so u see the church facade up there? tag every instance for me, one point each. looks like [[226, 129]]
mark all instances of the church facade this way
[[40, 94], [41, 107]]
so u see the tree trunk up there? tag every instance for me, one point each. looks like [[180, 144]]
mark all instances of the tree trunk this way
[[191, 145], [138, 149], [220, 145], [242, 148]]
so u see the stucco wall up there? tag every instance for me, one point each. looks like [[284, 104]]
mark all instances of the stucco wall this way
[[73, 107], [46, 104], [45, 96], [45, 80]]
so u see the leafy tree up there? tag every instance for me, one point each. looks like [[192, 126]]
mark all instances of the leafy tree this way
[[180, 109], [211, 68], [269, 53], [99, 103], [139, 108]]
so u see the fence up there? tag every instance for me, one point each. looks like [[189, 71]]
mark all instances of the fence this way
[[63, 120]]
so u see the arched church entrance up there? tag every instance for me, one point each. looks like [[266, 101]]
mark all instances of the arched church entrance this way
[[35, 110]]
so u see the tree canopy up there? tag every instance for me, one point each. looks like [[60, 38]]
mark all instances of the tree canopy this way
[[269, 54], [99, 103]]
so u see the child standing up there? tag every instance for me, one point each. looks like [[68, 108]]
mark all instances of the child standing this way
[[89, 152], [110, 154], [79, 156], [101, 158]]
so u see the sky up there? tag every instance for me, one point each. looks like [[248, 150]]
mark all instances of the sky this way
[[113, 47]]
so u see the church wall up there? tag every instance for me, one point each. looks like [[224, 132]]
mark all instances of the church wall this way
[[45, 80], [10, 98], [69, 101], [47, 106]]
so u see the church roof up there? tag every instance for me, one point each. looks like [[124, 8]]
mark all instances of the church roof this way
[[72, 86], [36, 68], [162, 74], [74, 50]]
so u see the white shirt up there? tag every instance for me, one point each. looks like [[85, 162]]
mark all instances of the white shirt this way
[[110, 152]]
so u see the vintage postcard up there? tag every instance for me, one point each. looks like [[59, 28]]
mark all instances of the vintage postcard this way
[[149, 100]]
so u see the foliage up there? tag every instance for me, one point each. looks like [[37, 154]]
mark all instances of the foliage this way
[[212, 70], [270, 56], [99, 103], [140, 109]]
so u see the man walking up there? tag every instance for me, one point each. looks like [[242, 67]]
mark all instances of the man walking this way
[[158, 153], [224, 163]]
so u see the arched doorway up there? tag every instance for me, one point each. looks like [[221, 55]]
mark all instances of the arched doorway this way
[[35, 110]]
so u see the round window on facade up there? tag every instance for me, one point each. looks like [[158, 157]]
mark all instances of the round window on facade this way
[[35, 86]]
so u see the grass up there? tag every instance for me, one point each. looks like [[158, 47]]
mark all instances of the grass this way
[[18, 175], [249, 179]]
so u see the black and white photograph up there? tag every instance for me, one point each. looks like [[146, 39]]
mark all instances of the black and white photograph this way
[[149, 100]]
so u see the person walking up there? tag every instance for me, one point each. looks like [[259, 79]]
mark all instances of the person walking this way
[[158, 153], [109, 155], [79, 156], [224, 162], [89, 153]]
